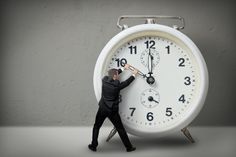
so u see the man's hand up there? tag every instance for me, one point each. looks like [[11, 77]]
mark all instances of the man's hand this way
[[134, 70], [126, 66]]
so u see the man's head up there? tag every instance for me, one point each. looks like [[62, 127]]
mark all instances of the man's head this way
[[113, 73]]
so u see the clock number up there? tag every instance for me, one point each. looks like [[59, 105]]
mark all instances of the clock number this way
[[121, 62], [150, 116], [133, 49], [168, 49], [187, 80], [182, 98], [132, 112], [168, 111], [150, 44], [181, 64], [120, 98]]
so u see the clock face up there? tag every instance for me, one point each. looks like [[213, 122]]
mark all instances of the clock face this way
[[174, 87], [164, 102]]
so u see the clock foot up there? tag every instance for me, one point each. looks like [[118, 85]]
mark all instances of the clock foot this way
[[187, 134], [112, 133]]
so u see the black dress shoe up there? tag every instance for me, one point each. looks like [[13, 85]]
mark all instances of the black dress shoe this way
[[92, 148], [130, 149]]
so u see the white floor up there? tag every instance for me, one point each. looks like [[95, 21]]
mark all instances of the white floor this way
[[73, 141]]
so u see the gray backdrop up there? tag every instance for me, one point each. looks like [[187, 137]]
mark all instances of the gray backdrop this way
[[49, 49]]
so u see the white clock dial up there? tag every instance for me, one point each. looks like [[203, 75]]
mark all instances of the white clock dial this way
[[175, 71], [175, 75]]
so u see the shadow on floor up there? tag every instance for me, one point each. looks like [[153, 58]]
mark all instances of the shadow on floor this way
[[170, 142]]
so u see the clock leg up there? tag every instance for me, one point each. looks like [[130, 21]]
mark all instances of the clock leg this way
[[112, 133], [187, 134]]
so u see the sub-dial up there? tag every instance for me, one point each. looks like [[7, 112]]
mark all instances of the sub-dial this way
[[145, 58], [150, 98]]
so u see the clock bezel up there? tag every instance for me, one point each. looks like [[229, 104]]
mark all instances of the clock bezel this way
[[167, 32]]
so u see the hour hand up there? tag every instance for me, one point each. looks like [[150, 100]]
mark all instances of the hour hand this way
[[142, 74], [139, 72]]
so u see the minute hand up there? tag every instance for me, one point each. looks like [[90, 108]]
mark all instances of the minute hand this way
[[150, 62]]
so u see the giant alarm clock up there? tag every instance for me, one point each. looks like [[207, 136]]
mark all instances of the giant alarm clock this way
[[173, 82]]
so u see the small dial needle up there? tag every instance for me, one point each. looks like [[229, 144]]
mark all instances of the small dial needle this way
[[150, 98]]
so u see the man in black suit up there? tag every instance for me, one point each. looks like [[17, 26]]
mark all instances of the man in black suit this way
[[109, 106]]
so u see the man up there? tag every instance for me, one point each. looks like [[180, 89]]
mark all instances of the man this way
[[109, 106]]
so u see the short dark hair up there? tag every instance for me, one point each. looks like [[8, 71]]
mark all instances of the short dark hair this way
[[112, 72]]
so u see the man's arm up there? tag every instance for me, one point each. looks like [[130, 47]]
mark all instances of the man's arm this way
[[130, 79], [126, 82]]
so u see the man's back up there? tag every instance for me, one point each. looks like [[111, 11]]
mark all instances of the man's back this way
[[111, 91]]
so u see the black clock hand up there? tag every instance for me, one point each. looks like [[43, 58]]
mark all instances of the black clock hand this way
[[149, 62], [155, 101], [150, 98], [139, 72], [151, 58], [142, 74], [150, 78]]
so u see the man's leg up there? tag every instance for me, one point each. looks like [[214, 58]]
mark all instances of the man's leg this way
[[100, 117], [116, 121]]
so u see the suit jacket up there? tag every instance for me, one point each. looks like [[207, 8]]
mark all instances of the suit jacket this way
[[111, 91]]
